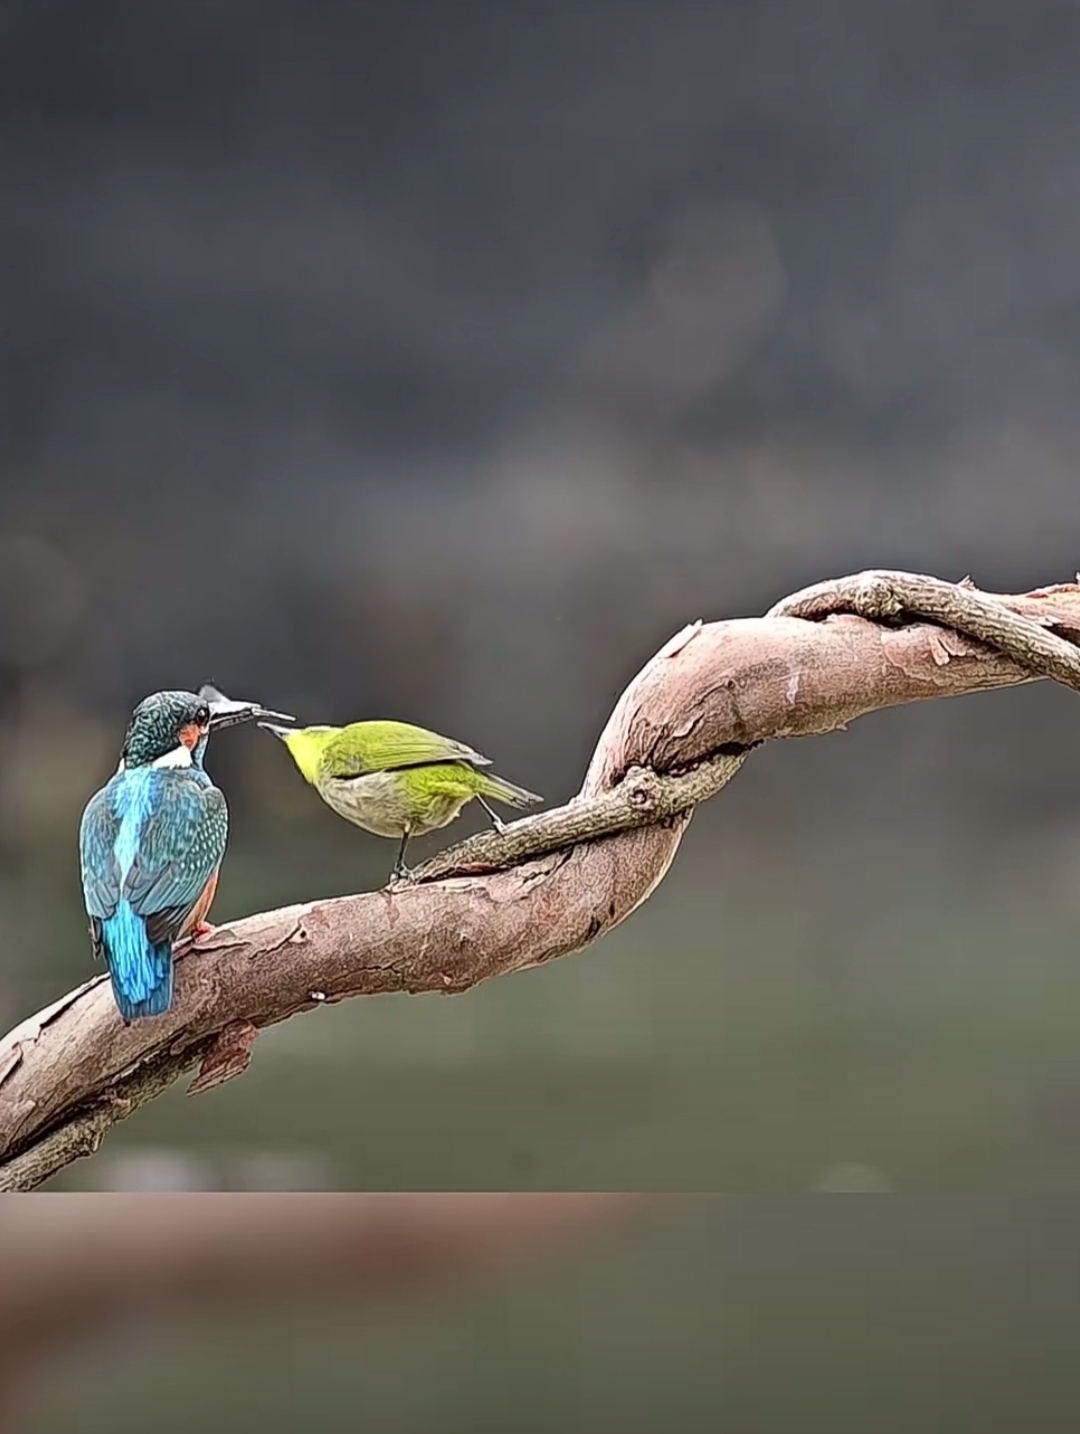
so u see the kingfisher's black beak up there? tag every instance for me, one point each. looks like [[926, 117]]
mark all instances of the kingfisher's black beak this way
[[224, 712]]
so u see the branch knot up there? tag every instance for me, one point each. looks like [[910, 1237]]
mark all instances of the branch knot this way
[[643, 789]]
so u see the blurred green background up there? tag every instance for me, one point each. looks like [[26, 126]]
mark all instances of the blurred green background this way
[[756, 1315], [439, 362]]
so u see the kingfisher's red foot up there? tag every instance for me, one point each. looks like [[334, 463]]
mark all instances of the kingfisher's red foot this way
[[200, 930]]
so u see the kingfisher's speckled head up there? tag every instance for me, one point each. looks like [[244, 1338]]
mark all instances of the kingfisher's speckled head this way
[[170, 729], [165, 729]]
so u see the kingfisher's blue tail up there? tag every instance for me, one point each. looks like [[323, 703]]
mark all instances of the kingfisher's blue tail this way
[[141, 971]]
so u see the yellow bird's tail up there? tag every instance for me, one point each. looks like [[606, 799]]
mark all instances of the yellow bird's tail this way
[[500, 790]]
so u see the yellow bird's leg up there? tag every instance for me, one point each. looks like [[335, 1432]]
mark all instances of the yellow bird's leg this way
[[399, 871], [496, 821]]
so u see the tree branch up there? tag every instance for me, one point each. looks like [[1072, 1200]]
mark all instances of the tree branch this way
[[554, 882]]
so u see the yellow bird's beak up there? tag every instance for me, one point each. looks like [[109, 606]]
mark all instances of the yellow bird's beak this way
[[283, 732]]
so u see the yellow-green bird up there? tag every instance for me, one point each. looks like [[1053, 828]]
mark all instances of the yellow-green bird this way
[[396, 780]]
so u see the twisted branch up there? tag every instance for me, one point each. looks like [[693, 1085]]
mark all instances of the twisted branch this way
[[554, 882]]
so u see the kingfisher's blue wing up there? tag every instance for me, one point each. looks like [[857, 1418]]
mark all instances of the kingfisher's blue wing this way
[[181, 844], [98, 831], [150, 843], [97, 855]]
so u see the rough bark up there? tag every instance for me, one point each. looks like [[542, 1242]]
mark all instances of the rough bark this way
[[554, 882]]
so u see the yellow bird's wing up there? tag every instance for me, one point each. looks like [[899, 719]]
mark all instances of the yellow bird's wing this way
[[366, 747]]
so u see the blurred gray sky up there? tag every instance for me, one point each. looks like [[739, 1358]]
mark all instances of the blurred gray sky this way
[[310, 310]]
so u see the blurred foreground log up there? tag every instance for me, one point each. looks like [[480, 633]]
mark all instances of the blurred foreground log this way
[[77, 1266], [554, 882]]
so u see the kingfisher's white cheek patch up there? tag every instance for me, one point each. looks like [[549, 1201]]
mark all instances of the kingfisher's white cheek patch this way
[[178, 757]]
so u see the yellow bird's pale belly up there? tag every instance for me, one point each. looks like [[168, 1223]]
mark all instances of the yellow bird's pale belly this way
[[381, 803]]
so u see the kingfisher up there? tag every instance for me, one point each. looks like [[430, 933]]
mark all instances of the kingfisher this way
[[151, 843]]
